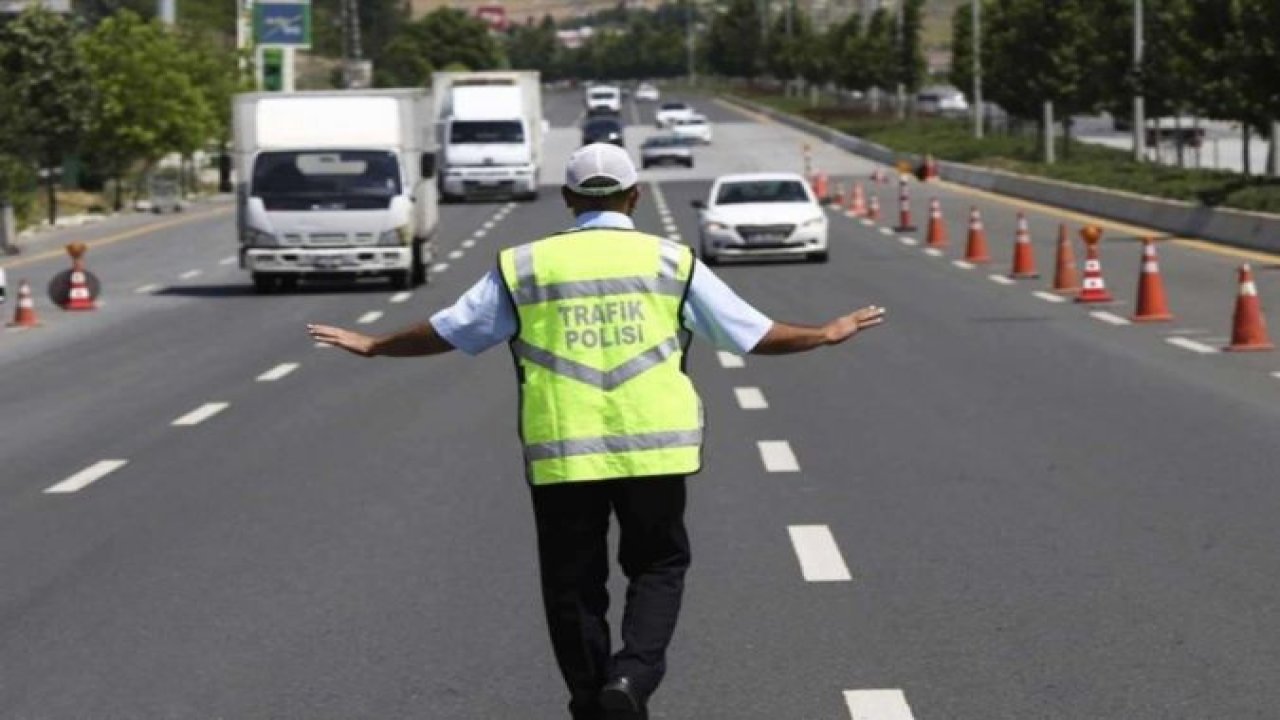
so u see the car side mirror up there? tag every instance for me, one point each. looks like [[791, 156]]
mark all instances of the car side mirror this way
[[428, 165], [698, 205]]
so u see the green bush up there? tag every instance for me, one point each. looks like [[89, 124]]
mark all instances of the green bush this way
[[1080, 163]]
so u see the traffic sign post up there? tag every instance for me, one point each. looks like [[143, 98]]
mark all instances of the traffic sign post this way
[[282, 24]]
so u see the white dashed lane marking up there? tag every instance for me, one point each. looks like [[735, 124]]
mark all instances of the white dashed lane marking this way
[[147, 289], [1194, 346], [480, 233], [322, 346], [933, 252], [456, 254], [877, 705], [1001, 279], [1108, 318], [819, 556], [867, 222], [370, 317], [488, 225], [87, 476], [200, 414], [750, 398], [401, 297], [468, 243], [729, 360], [777, 456], [886, 231], [277, 372], [908, 240], [440, 267], [962, 264], [227, 260], [190, 274], [1049, 297]]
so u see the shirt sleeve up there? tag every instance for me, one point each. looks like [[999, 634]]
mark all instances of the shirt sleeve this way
[[480, 319], [714, 312]]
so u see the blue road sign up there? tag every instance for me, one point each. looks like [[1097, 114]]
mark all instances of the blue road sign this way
[[282, 24]]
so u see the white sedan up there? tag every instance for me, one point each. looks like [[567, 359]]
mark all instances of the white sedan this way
[[647, 93], [765, 215], [669, 111], [695, 127]]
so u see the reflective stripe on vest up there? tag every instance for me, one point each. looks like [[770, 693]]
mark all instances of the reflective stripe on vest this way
[[603, 391]]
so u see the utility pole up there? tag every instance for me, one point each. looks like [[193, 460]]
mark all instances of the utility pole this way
[[977, 69], [902, 57], [689, 36], [167, 11], [1139, 102]]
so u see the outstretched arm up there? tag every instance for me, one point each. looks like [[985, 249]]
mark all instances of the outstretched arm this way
[[414, 341], [784, 339]]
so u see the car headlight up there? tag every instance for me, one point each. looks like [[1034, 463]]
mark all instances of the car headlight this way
[[716, 227], [394, 236], [253, 237], [815, 222]]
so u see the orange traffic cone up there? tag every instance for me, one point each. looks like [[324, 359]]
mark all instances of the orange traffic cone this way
[[904, 206], [857, 202], [876, 175], [873, 211], [24, 313], [1065, 277], [976, 248], [1249, 328], [79, 297], [937, 233], [820, 186], [1095, 288], [1151, 301], [838, 199], [1024, 261]]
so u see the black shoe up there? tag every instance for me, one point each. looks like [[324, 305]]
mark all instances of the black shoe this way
[[621, 701]]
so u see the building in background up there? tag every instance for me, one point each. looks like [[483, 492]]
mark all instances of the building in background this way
[[519, 12], [14, 7]]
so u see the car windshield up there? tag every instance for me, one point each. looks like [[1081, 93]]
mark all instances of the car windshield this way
[[665, 141], [674, 106], [485, 131], [603, 94], [691, 121], [332, 178], [761, 191]]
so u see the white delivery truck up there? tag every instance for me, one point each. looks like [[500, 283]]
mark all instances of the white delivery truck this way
[[490, 127], [335, 183]]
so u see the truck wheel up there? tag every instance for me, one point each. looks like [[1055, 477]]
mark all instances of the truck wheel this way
[[288, 283], [402, 280], [418, 273], [264, 283]]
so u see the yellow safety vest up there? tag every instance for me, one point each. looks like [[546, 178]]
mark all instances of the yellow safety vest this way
[[600, 354]]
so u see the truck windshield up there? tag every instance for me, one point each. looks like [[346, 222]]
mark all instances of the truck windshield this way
[[326, 179], [485, 131]]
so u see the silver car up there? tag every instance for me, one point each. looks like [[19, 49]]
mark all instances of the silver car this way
[[667, 150]]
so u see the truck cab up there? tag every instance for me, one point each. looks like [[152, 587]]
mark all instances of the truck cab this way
[[490, 126]]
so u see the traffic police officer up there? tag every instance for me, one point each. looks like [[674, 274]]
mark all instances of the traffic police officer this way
[[599, 320]]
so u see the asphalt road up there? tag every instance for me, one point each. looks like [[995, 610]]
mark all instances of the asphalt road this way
[[996, 506]]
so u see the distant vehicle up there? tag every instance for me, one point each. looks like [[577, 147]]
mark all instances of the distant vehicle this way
[[604, 96], [666, 150], [695, 127], [602, 129], [164, 194], [490, 127], [647, 93], [941, 100], [334, 183], [669, 111], [769, 215]]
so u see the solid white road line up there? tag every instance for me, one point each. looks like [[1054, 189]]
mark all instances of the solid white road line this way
[[440, 267], [200, 414], [962, 264], [1001, 279], [1108, 318], [886, 231], [370, 317], [1049, 297], [147, 289], [277, 372], [1192, 345], [730, 360], [85, 477], [401, 297], [190, 274], [456, 254], [468, 243], [777, 456], [750, 398], [877, 705], [819, 556], [908, 240], [933, 252], [229, 260]]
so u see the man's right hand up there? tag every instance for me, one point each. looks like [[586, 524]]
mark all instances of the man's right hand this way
[[348, 340]]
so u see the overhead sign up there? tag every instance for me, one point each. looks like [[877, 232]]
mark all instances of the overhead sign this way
[[282, 24]]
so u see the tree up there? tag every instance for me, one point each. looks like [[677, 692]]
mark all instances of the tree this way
[[534, 47], [146, 103], [734, 44], [438, 39], [909, 63], [44, 94], [961, 74]]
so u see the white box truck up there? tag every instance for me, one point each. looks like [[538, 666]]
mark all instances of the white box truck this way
[[490, 128], [335, 183]]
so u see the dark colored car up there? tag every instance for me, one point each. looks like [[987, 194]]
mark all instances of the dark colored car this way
[[602, 129]]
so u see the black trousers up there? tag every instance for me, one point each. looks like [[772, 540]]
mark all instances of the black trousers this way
[[573, 525]]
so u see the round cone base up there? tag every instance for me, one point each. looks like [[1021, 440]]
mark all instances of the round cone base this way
[[1096, 298], [1254, 347], [1161, 317], [1024, 275], [906, 228]]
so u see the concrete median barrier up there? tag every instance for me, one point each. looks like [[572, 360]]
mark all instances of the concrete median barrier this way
[[1237, 228]]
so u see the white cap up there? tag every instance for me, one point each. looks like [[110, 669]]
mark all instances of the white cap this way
[[600, 169]]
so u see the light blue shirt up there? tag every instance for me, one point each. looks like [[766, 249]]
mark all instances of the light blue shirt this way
[[484, 316]]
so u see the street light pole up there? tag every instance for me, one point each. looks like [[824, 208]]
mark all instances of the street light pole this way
[[688, 30], [1139, 102], [977, 69]]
